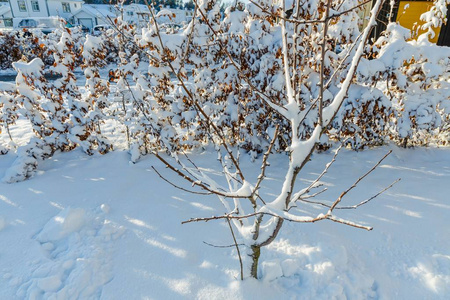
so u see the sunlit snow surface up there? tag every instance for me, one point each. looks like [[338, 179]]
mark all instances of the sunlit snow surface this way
[[102, 228]]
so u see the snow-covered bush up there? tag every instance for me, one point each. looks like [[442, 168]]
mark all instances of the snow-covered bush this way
[[60, 118], [10, 50], [95, 97], [8, 111], [47, 119], [133, 93], [415, 77], [31, 44], [364, 120], [84, 125]]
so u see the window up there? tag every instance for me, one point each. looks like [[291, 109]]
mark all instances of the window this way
[[66, 7], [22, 6], [26, 23], [130, 13], [8, 22], [35, 5]]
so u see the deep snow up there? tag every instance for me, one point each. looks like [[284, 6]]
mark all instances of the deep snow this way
[[101, 227]]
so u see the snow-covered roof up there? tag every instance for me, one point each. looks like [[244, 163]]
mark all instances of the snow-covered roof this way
[[173, 15], [105, 10], [99, 10], [140, 8], [4, 9]]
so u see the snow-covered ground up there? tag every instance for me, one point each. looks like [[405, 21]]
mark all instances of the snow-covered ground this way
[[102, 228]]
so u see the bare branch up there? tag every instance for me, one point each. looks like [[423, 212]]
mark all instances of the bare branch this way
[[349, 223], [305, 22], [179, 187], [237, 248], [338, 14], [190, 35], [225, 171], [226, 246], [342, 63], [264, 162], [282, 218], [343, 92], [327, 167], [322, 62], [357, 181], [371, 198], [192, 181], [278, 108], [347, 207], [304, 199], [315, 194], [189, 159], [192, 98]]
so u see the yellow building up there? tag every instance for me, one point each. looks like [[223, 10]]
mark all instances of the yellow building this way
[[407, 14]]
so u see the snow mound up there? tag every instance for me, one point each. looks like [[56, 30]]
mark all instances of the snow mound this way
[[66, 222], [78, 245], [271, 270], [307, 267], [434, 273]]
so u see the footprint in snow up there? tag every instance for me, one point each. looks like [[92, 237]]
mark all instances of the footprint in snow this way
[[78, 246]]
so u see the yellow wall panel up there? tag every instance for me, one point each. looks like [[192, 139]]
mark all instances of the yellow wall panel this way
[[410, 17]]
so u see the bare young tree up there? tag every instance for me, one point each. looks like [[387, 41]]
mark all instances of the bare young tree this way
[[255, 221]]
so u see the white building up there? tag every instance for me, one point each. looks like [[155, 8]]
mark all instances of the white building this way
[[44, 8], [5, 15], [174, 15], [96, 14], [90, 15], [138, 14]]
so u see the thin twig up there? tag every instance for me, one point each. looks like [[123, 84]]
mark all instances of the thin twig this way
[[278, 108], [304, 22], [314, 195], [338, 14], [192, 98], [190, 35], [371, 198], [264, 162], [321, 217], [179, 187], [194, 182], [327, 167], [357, 181], [348, 207], [237, 248], [227, 246], [322, 61], [341, 64]]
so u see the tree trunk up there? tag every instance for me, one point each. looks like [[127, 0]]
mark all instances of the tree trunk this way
[[256, 252]]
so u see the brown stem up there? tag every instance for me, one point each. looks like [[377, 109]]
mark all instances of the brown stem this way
[[256, 252], [237, 248], [322, 62], [264, 163], [194, 102], [357, 181]]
